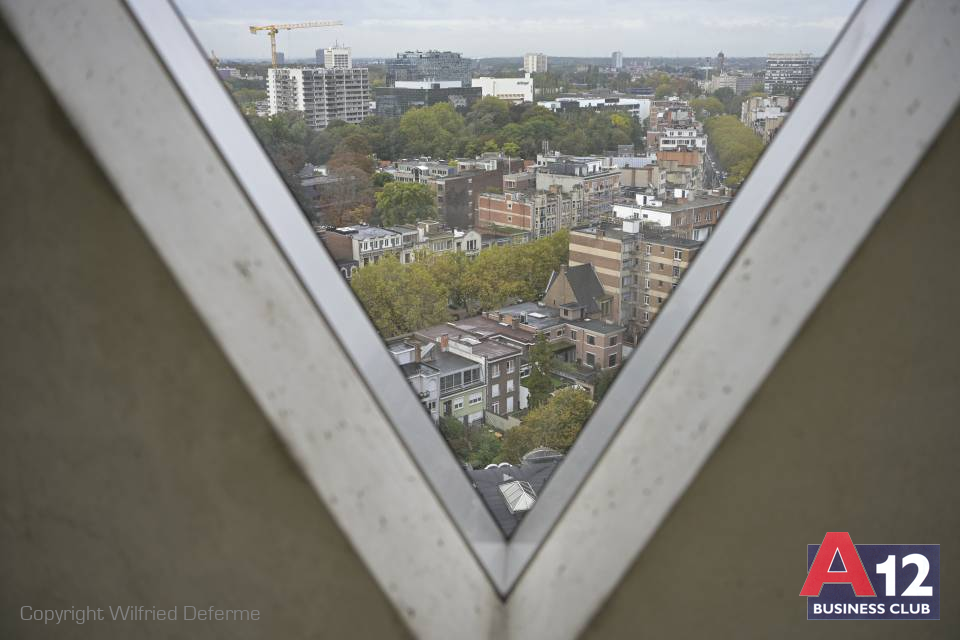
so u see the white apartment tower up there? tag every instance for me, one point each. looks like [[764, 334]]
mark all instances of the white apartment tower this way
[[534, 63], [337, 57], [616, 60], [323, 95]]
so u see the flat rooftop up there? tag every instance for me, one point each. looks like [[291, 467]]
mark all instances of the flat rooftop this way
[[651, 233], [365, 232], [597, 326], [699, 201], [536, 316], [446, 362]]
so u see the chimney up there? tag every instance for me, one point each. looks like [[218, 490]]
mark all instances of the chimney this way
[[444, 342], [416, 352]]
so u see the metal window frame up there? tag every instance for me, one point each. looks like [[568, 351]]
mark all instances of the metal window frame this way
[[244, 154], [523, 569]]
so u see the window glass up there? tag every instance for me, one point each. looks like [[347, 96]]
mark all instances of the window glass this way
[[488, 203]]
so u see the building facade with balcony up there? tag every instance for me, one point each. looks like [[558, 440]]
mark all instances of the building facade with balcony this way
[[322, 95], [638, 264]]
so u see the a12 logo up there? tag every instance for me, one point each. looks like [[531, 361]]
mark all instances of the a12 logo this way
[[871, 581]]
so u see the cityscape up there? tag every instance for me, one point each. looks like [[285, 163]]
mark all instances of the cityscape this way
[[513, 226]]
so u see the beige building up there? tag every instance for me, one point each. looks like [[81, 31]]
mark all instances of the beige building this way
[[535, 63], [638, 266]]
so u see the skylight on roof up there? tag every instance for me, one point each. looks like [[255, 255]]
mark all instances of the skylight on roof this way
[[519, 495]]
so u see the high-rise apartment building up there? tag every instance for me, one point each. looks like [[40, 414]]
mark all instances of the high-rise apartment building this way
[[616, 60], [428, 65], [534, 63], [788, 73], [335, 57], [323, 95]]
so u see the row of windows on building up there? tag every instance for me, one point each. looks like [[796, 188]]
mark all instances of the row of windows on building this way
[[474, 399], [676, 270], [460, 378], [591, 360], [591, 339], [648, 250]]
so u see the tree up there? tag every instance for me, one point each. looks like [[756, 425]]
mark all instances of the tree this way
[[353, 151], [285, 137], [380, 179], [516, 442], [662, 91], [405, 202], [540, 381], [487, 116], [737, 147], [347, 200], [449, 269], [432, 131], [604, 380], [477, 444], [731, 101], [400, 298], [710, 106], [556, 424]]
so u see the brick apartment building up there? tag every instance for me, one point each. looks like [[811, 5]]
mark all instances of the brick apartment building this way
[[598, 186], [541, 213], [637, 266]]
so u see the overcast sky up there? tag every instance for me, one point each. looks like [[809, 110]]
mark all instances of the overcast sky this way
[[380, 28]]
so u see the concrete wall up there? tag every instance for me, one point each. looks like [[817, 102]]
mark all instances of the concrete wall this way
[[132, 458], [855, 430], [134, 467]]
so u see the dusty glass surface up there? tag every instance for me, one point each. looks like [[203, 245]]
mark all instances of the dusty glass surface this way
[[511, 204]]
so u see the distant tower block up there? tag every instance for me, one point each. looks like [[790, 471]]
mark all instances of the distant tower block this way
[[720, 60]]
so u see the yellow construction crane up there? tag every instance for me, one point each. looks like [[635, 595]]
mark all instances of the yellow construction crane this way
[[272, 29]]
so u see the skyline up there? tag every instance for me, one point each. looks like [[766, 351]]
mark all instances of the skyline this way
[[692, 28]]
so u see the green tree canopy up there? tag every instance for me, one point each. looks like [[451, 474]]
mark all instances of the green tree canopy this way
[[737, 147], [400, 298], [431, 131], [540, 382], [405, 202], [555, 424], [710, 106]]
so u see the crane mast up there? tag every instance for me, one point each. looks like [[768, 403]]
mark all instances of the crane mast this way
[[273, 29]]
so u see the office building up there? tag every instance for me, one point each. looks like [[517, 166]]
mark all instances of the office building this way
[[428, 65], [788, 73], [406, 94], [515, 90], [638, 108], [616, 60], [335, 57]]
